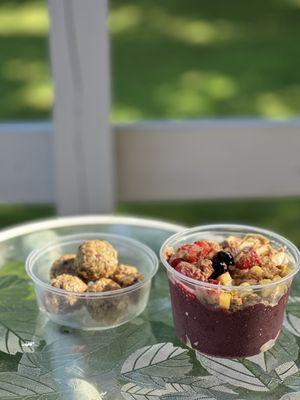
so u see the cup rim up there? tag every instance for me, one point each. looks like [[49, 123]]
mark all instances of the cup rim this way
[[69, 239], [211, 227]]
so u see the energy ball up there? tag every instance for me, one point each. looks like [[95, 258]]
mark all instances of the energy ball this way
[[127, 275], [94, 270], [55, 304], [108, 311], [103, 285], [60, 304], [96, 259], [126, 269], [70, 283], [63, 265]]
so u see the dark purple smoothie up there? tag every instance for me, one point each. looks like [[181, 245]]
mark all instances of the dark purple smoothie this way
[[222, 333]]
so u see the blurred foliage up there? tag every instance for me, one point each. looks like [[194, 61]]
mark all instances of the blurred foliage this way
[[280, 215], [170, 59], [205, 58], [25, 86], [11, 214]]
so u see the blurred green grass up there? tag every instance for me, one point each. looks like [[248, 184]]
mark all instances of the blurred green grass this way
[[11, 214], [280, 215], [170, 59]]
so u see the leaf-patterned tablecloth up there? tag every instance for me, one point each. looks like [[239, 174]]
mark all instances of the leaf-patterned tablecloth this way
[[137, 361]]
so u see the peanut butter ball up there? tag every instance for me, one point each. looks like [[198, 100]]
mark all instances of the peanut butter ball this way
[[63, 265], [60, 304], [108, 311], [127, 275], [70, 283], [96, 259], [103, 285]]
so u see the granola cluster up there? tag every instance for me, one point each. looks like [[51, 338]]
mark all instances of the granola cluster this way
[[237, 261], [63, 265], [96, 259], [70, 283], [93, 269]]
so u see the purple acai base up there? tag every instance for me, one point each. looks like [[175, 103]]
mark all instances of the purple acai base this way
[[221, 333]]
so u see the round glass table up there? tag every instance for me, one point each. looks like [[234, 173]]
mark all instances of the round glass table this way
[[139, 360]]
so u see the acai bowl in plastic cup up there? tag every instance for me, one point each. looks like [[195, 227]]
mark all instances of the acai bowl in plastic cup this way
[[227, 320], [92, 310]]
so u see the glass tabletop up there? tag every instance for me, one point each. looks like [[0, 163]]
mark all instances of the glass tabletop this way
[[139, 360]]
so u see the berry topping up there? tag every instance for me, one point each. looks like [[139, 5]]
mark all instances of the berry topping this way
[[221, 262], [191, 271], [214, 281], [188, 252], [175, 262], [225, 257], [247, 260], [192, 257], [235, 262], [204, 246]]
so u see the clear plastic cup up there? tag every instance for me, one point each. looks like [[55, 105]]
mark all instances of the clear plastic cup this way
[[89, 310], [201, 316]]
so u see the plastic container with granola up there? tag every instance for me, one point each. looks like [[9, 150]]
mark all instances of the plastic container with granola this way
[[229, 286]]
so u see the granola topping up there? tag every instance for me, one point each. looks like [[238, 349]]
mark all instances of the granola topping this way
[[236, 261], [103, 285], [127, 275]]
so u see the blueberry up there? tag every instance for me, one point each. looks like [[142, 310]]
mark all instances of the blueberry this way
[[221, 262], [224, 257]]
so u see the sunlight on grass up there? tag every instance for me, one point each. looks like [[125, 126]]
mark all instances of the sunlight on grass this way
[[273, 105], [198, 32], [191, 31], [171, 59], [37, 95], [18, 69], [36, 90], [124, 18], [195, 92], [27, 19], [295, 3], [125, 113]]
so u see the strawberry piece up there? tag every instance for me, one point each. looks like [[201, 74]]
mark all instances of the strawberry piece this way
[[190, 252], [186, 292], [187, 246], [247, 260], [193, 251], [214, 281], [192, 257], [205, 247], [175, 262]]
